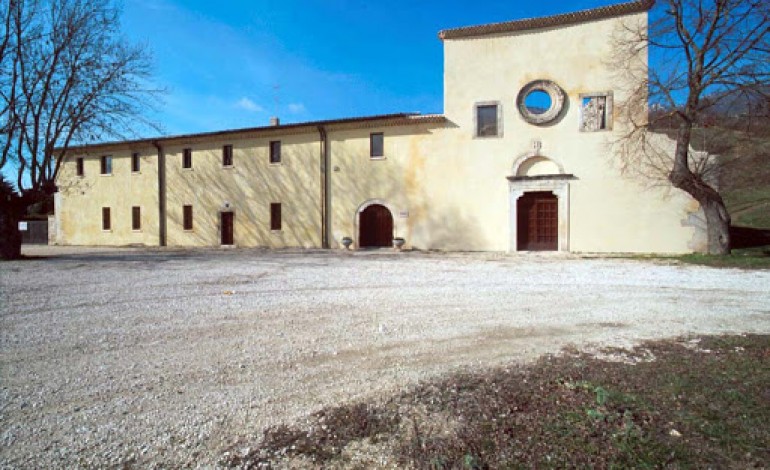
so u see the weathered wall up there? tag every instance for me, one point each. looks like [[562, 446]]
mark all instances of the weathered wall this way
[[446, 188], [83, 197], [248, 187], [608, 212]]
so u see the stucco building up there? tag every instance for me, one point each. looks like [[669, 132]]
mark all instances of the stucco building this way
[[521, 159]]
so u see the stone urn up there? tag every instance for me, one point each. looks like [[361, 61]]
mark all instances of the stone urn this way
[[398, 243], [346, 242]]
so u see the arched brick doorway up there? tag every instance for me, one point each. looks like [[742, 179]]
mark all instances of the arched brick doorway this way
[[538, 221], [375, 226]]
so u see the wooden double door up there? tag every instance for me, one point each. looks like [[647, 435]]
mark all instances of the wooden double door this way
[[375, 227], [538, 222]]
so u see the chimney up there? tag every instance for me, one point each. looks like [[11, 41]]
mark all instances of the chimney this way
[[274, 121]]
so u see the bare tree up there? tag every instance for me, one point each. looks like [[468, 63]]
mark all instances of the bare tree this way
[[704, 55], [67, 77]]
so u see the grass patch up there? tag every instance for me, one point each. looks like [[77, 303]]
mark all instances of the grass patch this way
[[745, 258], [680, 404]]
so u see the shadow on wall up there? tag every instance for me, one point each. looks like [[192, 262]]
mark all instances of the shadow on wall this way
[[398, 181], [249, 187]]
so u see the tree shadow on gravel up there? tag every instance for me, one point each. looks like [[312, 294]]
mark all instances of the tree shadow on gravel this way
[[682, 403]]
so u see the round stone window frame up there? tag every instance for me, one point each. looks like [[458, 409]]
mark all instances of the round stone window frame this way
[[556, 94]]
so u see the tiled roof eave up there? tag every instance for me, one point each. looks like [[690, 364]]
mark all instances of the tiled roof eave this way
[[611, 11], [388, 120]]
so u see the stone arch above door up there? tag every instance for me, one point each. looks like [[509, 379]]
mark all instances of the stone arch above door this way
[[364, 206], [533, 172], [534, 164]]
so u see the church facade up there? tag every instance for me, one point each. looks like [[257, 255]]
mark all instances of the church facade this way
[[521, 159]]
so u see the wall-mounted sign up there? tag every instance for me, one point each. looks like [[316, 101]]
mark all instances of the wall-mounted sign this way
[[404, 214], [22, 226]]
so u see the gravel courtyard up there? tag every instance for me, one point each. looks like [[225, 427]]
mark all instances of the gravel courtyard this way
[[169, 358]]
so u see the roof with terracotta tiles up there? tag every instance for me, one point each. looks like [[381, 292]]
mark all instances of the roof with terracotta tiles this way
[[583, 16]]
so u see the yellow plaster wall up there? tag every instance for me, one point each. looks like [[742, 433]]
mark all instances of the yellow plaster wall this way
[[608, 211], [248, 187], [82, 199], [446, 189], [396, 180]]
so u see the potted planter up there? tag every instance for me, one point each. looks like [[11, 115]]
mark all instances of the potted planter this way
[[398, 243], [346, 242]]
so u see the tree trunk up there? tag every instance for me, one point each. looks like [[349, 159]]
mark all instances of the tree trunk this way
[[717, 217], [717, 226], [10, 237]]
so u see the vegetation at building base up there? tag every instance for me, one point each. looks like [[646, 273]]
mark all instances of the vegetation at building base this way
[[681, 403]]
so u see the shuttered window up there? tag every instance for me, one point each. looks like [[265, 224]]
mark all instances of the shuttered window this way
[[135, 163], [187, 217], [187, 158], [275, 151], [275, 216], [106, 222], [376, 145], [136, 218], [106, 165], [227, 155]]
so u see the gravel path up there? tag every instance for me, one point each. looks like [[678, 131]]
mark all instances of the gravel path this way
[[168, 358]]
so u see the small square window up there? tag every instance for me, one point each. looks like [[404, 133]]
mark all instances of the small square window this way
[[227, 155], [487, 124], [136, 218], [135, 163], [187, 217], [106, 165], [106, 221], [595, 112], [275, 151], [187, 158], [79, 162], [376, 145], [275, 216]]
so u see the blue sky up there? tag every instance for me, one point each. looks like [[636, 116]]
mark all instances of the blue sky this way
[[234, 63]]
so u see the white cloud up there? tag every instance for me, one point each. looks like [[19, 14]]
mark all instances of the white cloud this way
[[297, 108], [248, 105]]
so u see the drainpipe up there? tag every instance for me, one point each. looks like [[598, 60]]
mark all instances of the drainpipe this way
[[325, 185], [161, 193]]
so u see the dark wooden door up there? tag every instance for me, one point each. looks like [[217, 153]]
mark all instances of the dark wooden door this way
[[538, 222], [376, 225], [227, 227]]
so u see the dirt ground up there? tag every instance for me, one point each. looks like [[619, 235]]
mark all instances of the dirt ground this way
[[170, 357]]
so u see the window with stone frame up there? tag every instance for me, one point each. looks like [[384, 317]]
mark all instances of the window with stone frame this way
[[595, 112], [488, 119]]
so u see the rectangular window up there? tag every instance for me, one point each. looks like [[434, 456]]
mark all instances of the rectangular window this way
[[136, 218], [135, 163], [486, 120], [376, 145], [80, 166], [275, 216], [106, 222], [187, 217], [227, 155], [275, 151], [106, 165], [596, 112], [187, 158]]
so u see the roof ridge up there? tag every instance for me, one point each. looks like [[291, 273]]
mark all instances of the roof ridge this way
[[581, 16]]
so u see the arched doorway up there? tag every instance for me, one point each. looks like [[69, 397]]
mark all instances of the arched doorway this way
[[376, 227], [538, 221]]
